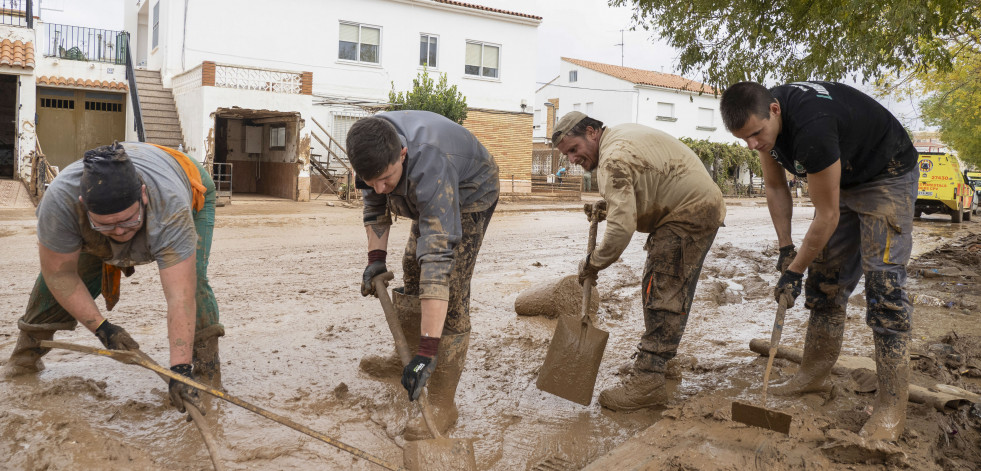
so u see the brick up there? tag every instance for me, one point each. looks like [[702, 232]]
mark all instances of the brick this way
[[507, 136], [207, 74]]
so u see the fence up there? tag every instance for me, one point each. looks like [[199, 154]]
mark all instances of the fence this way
[[222, 176], [17, 13], [85, 44]]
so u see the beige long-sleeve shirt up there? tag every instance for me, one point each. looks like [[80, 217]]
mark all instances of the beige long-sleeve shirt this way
[[649, 179]]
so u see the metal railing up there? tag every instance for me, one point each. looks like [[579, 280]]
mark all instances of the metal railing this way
[[78, 43], [17, 13], [221, 173], [133, 93]]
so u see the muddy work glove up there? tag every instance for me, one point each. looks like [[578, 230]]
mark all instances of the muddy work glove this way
[[787, 256], [180, 392], [417, 372], [114, 337], [587, 270], [788, 286], [376, 266]]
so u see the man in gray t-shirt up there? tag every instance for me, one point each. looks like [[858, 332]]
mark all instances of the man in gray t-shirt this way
[[120, 206]]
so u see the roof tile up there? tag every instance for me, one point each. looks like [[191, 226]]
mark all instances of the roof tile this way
[[644, 77], [17, 53], [87, 83], [481, 7]]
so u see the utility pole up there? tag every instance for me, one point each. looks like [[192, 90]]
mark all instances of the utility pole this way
[[621, 48]]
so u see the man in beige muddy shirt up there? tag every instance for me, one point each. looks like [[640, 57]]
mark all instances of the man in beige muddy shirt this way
[[652, 183]]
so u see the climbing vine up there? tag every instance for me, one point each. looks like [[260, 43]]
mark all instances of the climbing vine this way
[[722, 160]]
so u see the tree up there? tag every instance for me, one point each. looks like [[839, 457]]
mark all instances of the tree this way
[[955, 106], [426, 95], [787, 40], [724, 159]]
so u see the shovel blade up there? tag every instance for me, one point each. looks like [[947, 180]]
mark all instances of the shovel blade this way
[[761, 417], [573, 360], [440, 454]]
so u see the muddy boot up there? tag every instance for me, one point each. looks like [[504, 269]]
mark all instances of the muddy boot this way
[[206, 362], [822, 345], [640, 390], [442, 387], [409, 312], [26, 357], [892, 369]]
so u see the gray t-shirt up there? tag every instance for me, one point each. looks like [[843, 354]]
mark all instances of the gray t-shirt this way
[[167, 236]]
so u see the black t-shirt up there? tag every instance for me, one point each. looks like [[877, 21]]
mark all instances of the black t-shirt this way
[[827, 121]]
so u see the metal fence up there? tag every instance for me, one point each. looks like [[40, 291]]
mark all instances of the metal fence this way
[[17, 13], [85, 44]]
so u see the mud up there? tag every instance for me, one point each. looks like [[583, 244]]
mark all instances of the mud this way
[[287, 278], [560, 297]]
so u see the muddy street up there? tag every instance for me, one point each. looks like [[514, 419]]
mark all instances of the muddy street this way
[[287, 278]]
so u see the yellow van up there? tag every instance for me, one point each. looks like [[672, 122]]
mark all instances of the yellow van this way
[[943, 188]]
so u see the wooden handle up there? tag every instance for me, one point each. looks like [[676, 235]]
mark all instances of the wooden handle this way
[[588, 283], [774, 342]]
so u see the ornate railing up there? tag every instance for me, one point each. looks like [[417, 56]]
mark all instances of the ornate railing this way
[[247, 78], [85, 44], [17, 13], [187, 81]]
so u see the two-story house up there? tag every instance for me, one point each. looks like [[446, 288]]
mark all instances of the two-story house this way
[[268, 87]]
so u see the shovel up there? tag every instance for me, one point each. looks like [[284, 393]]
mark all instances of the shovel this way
[[574, 355], [761, 416], [439, 453]]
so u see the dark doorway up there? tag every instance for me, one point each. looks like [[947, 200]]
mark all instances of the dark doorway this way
[[8, 124]]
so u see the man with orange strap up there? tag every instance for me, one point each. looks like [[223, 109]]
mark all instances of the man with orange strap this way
[[120, 206]]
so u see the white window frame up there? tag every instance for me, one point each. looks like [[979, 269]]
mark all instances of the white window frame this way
[[480, 75], [573, 76], [702, 124], [156, 25], [277, 137], [357, 59], [589, 108], [661, 117], [430, 37]]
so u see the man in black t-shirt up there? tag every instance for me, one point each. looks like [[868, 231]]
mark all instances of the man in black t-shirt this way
[[860, 166]]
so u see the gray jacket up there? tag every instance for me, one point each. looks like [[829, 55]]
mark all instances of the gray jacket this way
[[447, 172]]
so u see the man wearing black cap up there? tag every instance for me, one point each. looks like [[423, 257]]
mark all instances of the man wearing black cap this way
[[652, 183], [124, 205]]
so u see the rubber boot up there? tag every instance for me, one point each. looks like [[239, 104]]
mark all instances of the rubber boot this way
[[409, 312], [442, 387], [206, 362], [822, 345], [640, 390], [26, 357], [892, 369]]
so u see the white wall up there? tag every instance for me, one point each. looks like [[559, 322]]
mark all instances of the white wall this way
[[26, 102]]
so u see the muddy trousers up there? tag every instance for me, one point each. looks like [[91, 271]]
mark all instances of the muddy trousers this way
[[44, 315], [674, 263]]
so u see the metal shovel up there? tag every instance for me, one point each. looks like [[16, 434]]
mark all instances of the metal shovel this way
[[761, 416], [576, 351], [439, 453]]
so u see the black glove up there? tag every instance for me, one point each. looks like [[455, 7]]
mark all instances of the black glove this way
[[787, 256], [180, 392], [416, 373], [372, 270], [115, 337], [587, 270], [789, 285]]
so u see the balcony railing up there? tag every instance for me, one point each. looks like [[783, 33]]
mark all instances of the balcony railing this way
[[84, 44], [17, 13]]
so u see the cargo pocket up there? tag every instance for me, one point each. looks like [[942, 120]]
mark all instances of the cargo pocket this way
[[898, 240], [663, 286]]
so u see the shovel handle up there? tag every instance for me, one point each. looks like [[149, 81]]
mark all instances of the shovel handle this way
[[380, 282], [774, 343], [595, 215]]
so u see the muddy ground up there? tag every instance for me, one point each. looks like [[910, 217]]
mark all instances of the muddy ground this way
[[287, 275]]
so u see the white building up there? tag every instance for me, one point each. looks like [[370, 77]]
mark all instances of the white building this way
[[617, 95]]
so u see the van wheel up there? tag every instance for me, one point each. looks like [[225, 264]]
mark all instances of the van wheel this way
[[958, 215]]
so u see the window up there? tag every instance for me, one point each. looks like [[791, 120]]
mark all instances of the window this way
[[156, 24], [706, 119], [589, 108], [575, 106], [427, 50], [483, 60], [538, 119], [277, 138], [58, 103], [573, 76], [665, 112], [359, 43]]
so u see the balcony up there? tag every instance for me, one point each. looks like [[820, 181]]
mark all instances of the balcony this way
[[17, 13], [84, 44]]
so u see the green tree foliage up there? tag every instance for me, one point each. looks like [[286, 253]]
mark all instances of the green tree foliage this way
[[954, 106], [427, 95], [723, 159], [730, 41]]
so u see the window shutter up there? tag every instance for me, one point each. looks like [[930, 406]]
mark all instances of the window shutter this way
[[473, 54], [349, 33], [371, 36], [491, 56]]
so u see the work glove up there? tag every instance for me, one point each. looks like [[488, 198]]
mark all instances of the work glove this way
[[787, 256], [114, 337], [416, 373], [180, 392], [587, 270], [376, 266], [789, 286], [600, 205]]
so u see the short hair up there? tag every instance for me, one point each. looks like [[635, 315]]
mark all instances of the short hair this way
[[580, 128], [372, 146], [742, 100]]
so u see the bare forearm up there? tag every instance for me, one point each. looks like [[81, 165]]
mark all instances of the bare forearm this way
[[818, 234], [781, 207], [378, 236], [180, 331], [72, 294], [433, 317]]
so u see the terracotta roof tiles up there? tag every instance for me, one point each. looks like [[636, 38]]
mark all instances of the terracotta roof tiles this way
[[644, 77], [481, 7], [17, 53], [84, 83]]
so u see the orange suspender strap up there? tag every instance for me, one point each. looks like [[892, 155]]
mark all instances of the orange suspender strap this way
[[110, 285], [193, 175]]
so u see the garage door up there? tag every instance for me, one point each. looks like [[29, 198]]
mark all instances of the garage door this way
[[73, 121]]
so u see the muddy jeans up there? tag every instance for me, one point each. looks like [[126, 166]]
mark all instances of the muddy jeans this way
[[474, 227], [671, 273], [874, 236], [44, 313]]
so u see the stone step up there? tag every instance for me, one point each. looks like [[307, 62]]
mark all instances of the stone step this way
[[163, 92], [161, 120], [162, 128], [159, 113]]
